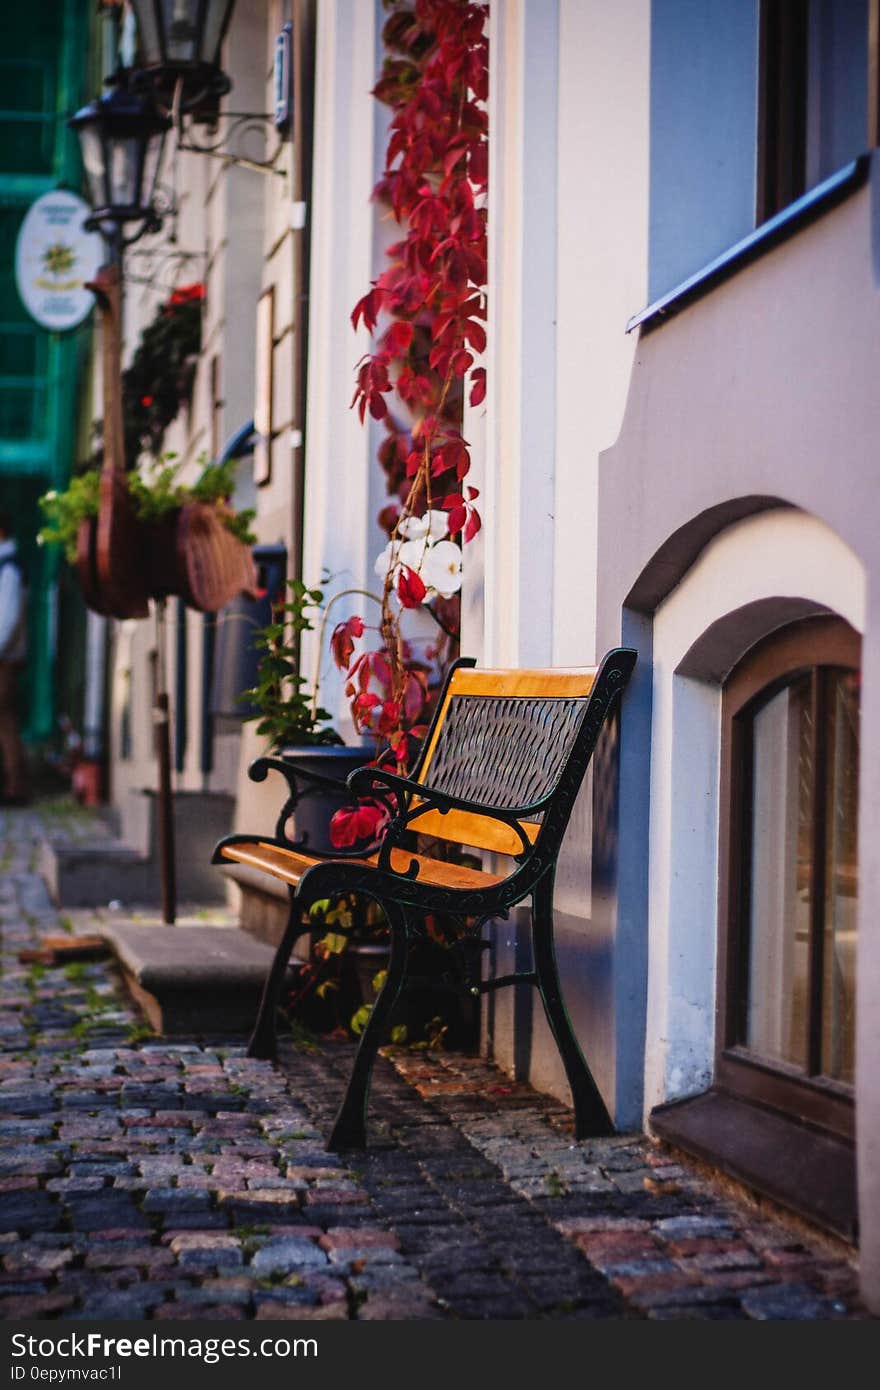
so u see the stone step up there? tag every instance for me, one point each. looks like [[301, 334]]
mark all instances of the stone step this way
[[202, 979], [92, 872]]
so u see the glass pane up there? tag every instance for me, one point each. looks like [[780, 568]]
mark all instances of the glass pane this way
[[841, 896], [124, 172], [837, 88], [93, 160], [779, 893], [214, 22], [148, 32], [28, 119], [152, 159], [180, 30]]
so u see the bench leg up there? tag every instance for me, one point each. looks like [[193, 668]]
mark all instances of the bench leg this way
[[264, 1042], [591, 1119], [350, 1129]]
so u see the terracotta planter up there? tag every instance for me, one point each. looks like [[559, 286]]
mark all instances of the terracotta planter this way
[[116, 599]]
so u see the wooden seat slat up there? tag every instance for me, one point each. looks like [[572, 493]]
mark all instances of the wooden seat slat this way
[[289, 866], [468, 828]]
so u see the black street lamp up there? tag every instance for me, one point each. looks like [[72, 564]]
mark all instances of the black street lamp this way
[[121, 137], [180, 44]]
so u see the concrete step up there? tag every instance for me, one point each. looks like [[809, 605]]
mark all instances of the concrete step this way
[[92, 872], [201, 979]]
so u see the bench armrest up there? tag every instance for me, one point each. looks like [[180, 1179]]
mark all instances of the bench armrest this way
[[403, 789], [292, 773], [295, 776]]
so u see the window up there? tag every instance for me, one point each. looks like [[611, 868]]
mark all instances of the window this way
[[780, 1113], [813, 95], [790, 720]]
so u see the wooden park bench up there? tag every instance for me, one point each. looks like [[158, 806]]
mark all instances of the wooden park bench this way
[[499, 771]]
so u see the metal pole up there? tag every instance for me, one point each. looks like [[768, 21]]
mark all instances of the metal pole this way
[[162, 725], [114, 447]]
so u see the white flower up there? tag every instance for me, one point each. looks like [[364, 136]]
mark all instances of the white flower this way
[[434, 525], [383, 561], [437, 562], [441, 568], [397, 553]]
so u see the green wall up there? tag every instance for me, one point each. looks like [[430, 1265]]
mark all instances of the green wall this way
[[43, 70]]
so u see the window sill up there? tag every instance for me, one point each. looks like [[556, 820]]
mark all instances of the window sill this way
[[811, 1172], [802, 211]]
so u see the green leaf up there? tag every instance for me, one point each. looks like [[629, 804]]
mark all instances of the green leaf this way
[[339, 916], [334, 943], [360, 1019]]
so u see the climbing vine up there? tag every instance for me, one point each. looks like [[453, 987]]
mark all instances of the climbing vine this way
[[159, 378], [426, 313]]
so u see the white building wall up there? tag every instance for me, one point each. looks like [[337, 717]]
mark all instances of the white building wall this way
[[340, 534], [568, 219], [216, 237], [601, 230]]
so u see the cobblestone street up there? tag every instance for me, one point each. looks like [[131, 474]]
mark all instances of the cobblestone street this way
[[149, 1179]]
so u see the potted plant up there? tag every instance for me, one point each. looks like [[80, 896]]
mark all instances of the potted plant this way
[[290, 717], [178, 538]]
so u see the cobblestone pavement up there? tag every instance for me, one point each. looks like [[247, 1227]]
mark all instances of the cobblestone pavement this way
[[150, 1179]]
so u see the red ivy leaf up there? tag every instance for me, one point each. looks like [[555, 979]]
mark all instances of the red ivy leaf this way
[[342, 641], [397, 340], [410, 587]]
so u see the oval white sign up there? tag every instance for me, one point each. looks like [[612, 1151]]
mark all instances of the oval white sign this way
[[54, 257]]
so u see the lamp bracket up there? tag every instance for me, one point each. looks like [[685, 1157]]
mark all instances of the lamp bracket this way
[[99, 220], [231, 131]]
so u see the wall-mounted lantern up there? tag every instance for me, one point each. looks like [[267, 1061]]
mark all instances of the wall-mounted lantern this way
[[180, 43], [179, 63], [121, 137]]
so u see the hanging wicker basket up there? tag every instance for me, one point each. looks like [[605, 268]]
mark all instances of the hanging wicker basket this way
[[123, 562]]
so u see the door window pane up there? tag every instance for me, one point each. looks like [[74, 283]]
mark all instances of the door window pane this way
[[841, 900], [779, 891]]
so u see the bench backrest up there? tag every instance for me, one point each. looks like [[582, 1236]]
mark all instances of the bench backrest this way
[[501, 738]]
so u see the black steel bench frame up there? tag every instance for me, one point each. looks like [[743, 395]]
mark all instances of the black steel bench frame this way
[[542, 729]]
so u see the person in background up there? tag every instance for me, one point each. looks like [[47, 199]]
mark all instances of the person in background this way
[[13, 650]]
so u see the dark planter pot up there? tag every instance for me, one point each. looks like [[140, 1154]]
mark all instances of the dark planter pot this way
[[429, 997], [311, 820]]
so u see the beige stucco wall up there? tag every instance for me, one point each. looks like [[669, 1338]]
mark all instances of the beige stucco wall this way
[[763, 388], [568, 217]]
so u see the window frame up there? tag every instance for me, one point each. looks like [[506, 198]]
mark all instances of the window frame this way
[[811, 646], [782, 106]]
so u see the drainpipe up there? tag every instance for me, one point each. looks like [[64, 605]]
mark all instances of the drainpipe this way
[[96, 677], [300, 213]]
